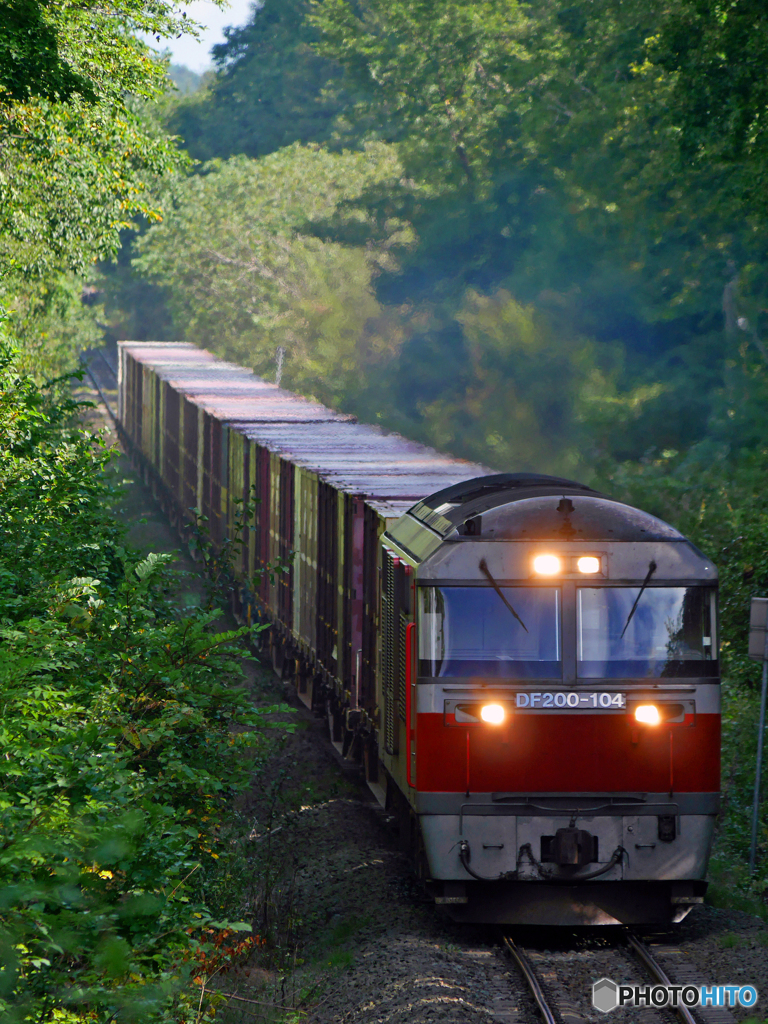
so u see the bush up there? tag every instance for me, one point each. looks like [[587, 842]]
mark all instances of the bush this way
[[125, 732], [722, 507]]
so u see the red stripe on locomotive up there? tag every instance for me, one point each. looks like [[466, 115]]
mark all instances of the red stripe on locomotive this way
[[567, 753]]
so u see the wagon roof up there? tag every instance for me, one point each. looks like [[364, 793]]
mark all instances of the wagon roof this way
[[354, 457]]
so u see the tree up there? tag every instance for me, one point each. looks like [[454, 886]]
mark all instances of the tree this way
[[715, 55], [573, 194], [76, 153], [541, 158], [434, 70], [519, 396], [245, 283], [272, 88], [79, 154]]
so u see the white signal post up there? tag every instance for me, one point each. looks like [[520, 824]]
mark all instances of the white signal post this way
[[758, 650]]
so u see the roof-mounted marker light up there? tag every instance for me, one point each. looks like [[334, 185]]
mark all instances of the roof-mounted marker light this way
[[588, 564], [547, 565]]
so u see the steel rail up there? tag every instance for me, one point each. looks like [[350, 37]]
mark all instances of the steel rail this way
[[112, 369], [533, 982], [658, 973], [103, 397], [652, 966]]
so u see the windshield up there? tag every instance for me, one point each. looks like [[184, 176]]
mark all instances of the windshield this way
[[472, 631], [670, 633]]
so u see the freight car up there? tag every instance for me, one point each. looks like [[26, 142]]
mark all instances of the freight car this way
[[526, 669]]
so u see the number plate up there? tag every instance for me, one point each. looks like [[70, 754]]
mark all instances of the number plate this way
[[560, 700]]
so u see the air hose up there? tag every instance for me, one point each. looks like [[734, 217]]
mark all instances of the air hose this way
[[465, 855], [616, 858]]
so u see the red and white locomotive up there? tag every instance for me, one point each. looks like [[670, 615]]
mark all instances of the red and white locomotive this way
[[526, 669], [560, 746]]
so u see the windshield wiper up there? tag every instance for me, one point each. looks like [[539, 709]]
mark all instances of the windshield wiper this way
[[487, 573], [646, 581]]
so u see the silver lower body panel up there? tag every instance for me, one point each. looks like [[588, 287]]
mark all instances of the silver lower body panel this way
[[654, 880]]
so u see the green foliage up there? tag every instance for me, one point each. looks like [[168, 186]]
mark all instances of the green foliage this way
[[76, 154], [53, 321], [272, 89], [501, 387], [79, 152], [553, 153], [436, 71], [714, 53], [54, 49], [222, 567], [256, 278], [549, 164], [731, 885], [72, 176], [722, 507], [125, 733], [30, 63], [134, 308]]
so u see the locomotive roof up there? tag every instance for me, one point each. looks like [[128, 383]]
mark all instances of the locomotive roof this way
[[445, 510], [523, 507]]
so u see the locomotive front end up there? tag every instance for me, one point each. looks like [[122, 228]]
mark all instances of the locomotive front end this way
[[555, 723]]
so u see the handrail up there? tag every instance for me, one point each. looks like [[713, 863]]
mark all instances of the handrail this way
[[409, 730]]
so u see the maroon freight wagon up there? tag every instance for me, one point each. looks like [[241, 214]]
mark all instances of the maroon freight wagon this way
[[207, 434]]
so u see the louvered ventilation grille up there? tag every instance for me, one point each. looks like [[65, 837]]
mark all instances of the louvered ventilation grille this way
[[401, 667]]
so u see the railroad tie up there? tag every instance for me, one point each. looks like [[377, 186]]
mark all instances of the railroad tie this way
[[505, 1011], [681, 971], [504, 1008], [561, 1001]]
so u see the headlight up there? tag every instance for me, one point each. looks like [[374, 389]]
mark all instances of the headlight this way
[[588, 564], [493, 714], [648, 714], [547, 565]]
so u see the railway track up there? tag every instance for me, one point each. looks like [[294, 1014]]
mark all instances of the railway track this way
[[103, 375], [560, 981]]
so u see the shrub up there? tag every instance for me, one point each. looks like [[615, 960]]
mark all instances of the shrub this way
[[125, 732]]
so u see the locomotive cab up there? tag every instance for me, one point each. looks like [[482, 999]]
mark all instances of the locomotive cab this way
[[550, 703]]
